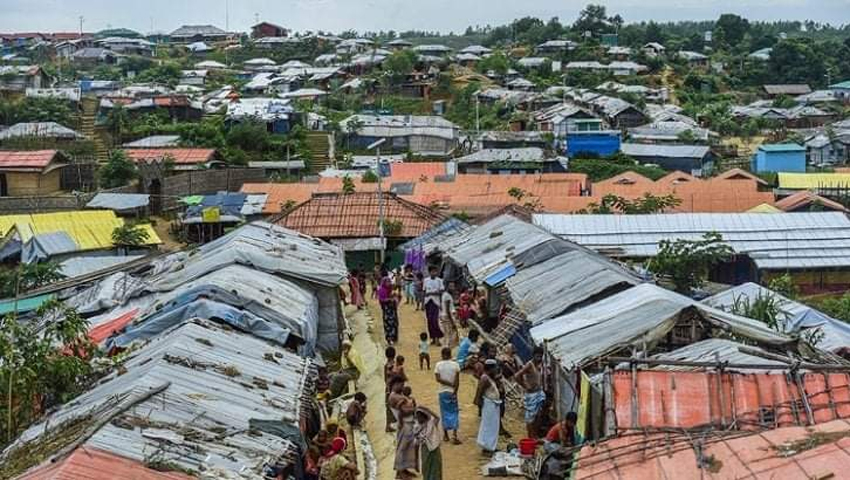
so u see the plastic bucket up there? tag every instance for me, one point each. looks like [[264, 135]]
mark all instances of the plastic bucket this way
[[527, 446]]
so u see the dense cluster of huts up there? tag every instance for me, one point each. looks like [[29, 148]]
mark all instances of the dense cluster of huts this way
[[215, 353]]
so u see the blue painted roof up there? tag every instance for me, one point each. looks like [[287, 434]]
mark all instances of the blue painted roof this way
[[500, 276], [782, 147], [842, 85]]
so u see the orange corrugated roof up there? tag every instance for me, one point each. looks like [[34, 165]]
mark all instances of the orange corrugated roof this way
[[181, 156], [35, 160], [782, 453], [713, 195], [93, 464], [356, 215], [472, 193], [690, 399], [416, 170], [804, 199], [738, 174]]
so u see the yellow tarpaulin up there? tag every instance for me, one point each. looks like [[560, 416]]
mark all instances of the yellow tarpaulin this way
[[91, 230], [211, 215], [809, 181], [764, 208]]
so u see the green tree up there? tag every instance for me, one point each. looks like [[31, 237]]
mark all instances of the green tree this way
[[118, 123], [369, 176], [594, 19], [644, 205], [733, 28], [44, 364], [117, 171], [129, 235], [496, 62], [28, 276], [687, 263], [784, 285], [399, 65]]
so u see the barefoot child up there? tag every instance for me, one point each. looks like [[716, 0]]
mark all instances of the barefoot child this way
[[424, 352]]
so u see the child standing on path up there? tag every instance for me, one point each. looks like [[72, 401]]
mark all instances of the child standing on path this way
[[424, 352]]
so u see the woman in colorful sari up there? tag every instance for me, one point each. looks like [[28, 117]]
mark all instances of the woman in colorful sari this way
[[356, 294], [389, 310], [429, 438]]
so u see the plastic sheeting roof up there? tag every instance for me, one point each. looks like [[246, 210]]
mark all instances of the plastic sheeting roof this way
[[487, 248], [796, 316], [265, 247], [428, 241], [215, 381], [788, 240], [550, 288], [119, 201], [272, 300], [644, 313], [709, 350], [78, 266]]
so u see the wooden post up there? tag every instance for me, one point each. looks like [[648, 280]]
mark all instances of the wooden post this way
[[610, 414]]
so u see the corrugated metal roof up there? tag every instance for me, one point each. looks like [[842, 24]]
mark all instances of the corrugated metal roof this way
[[23, 305], [36, 160], [78, 266], [812, 181], [665, 151], [38, 129], [215, 383], [155, 141], [519, 155], [265, 247], [402, 125], [95, 464], [487, 248], [710, 350], [90, 230], [341, 215], [180, 156], [643, 313], [789, 240], [119, 201], [550, 288], [765, 455], [429, 240]]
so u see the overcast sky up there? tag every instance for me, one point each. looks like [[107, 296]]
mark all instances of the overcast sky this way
[[338, 15]]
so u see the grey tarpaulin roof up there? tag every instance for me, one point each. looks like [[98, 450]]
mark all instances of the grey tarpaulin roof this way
[[796, 316], [515, 155], [119, 201], [265, 247], [644, 313], [666, 151], [710, 349], [46, 245], [155, 141], [780, 241], [83, 265], [269, 298], [490, 247], [402, 125], [549, 288], [428, 241], [215, 382]]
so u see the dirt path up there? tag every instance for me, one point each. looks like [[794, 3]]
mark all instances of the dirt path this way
[[459, 461]]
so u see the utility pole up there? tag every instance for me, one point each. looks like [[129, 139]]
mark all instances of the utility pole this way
[[477, 116], [377, 146], [81, 26]]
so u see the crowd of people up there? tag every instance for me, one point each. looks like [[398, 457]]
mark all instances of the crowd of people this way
[[420, 432]]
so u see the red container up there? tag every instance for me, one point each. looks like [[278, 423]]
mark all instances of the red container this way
[[527, 446]]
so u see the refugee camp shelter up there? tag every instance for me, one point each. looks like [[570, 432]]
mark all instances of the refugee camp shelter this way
[[183, 390], [31, 173], [813, 247], [785, 157], [42, 236], [352, 221]]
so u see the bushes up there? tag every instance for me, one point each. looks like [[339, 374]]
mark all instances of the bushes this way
[[118, 171], [602, 169]]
